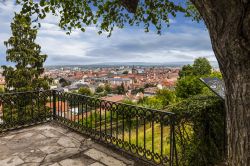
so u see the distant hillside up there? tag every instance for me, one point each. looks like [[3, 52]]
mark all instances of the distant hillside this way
[[168, 64]]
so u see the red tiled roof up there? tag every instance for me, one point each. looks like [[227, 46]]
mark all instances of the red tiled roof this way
[[60, 105], [115, 98]]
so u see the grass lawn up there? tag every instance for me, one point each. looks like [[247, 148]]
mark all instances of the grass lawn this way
[[1, 88], [150, 141], [153, 141]]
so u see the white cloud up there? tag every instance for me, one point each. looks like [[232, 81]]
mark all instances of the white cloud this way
[[182, 42], [7, 6]]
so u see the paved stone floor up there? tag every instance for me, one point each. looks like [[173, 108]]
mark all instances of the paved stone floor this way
[[52, 145]]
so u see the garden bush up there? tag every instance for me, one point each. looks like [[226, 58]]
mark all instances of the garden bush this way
[[200, 130]]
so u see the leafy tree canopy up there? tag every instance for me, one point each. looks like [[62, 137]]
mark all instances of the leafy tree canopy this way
[[125, 72], [163, 98], [107, 14], [107, 88], [99, 89], [201, 67], [64, 82], [188, 86], [216, 74], [189, 83], [120, 89], [151, 102], [166, 96], [187, 70], [85, 91], [138, 90]]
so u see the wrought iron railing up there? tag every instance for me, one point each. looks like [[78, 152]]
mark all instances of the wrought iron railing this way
[[24, 109], [145, 133]]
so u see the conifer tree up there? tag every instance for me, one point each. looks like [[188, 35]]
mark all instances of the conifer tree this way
[[26, 54]]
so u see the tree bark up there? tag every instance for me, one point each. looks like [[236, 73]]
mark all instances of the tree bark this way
[[228, 22]]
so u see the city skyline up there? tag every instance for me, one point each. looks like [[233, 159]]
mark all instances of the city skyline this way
[[183, 41]]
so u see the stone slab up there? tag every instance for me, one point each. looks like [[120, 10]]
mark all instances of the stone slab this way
[[96, 164], [45, 145], [69, 162], [11, 161], [103, 158]]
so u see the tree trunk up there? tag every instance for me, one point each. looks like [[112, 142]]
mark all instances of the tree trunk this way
[[238, 115], [228, 22]]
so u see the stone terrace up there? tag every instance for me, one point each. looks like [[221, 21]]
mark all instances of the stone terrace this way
[[53, 145]]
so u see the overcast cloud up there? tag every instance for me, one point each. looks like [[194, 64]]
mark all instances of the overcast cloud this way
[[184, 41]]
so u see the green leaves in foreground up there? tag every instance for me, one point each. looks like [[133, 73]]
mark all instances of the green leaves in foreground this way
[[200, 130], [105, 14]]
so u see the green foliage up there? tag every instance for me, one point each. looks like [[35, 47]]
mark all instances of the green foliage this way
[[189, 83], [200, 130], [107, 88], [126, 101], [125, 72], [22, 50], [1, 90], [99, 89], [135, 91], [30, 113], [192, 12], [64, 82], [162, 99], [187, 70], [147, 85], [216, 74], [109, 14], [201, 67], [166, 96], [188, 86], [85, 91], [120, 89], [25, 108], [151, 102]]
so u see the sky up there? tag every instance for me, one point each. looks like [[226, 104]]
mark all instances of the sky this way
[[183, 41]]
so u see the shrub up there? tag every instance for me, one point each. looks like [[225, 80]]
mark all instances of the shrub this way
[[200, 130]]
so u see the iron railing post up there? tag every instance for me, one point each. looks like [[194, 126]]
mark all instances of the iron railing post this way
[[172, 140], [54, 104]]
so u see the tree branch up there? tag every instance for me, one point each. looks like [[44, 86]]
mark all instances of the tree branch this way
[[130, 5]]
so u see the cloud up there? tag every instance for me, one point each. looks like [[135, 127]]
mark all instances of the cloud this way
[[182, 42]]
